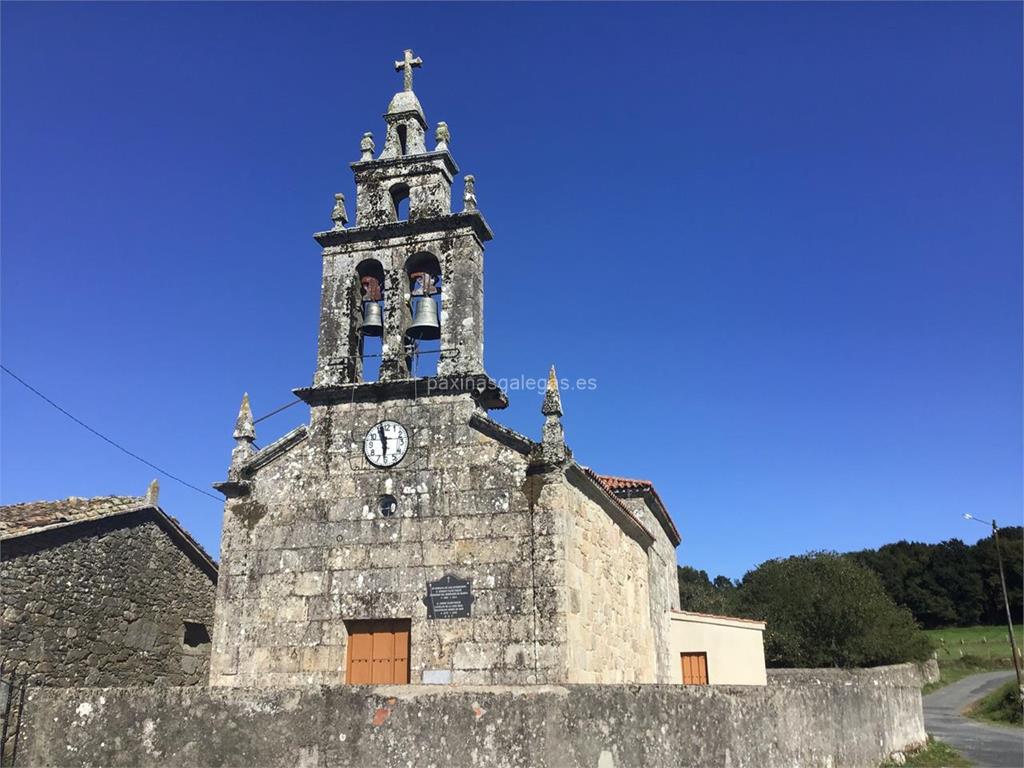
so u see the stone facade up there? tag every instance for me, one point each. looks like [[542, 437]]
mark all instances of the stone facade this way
[[561, 590], [640, 498], [306, 550], [610, 639], [568, 581], [106, 600]]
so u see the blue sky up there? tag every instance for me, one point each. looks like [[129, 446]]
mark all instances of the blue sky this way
[[784, 239]]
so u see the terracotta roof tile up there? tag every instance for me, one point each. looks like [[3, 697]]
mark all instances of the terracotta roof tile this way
[[613, 483], [596, 478], [629, 485]]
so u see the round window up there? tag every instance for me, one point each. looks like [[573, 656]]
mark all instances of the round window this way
[[388, 506]]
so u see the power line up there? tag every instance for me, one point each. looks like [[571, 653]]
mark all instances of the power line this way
[[100, 435], [277, 411]]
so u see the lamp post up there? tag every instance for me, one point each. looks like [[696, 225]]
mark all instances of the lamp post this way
[[1006, 599]]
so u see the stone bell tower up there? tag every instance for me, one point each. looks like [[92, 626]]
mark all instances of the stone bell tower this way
[[410, 270]]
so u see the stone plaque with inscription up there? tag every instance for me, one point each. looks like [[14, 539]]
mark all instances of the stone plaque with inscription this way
[[449, 598]]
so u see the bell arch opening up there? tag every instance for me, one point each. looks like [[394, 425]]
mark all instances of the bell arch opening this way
[[400, 201], [403, 139], [423, 337], [370, 323]]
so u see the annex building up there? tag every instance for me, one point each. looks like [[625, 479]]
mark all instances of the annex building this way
[[101, 592]]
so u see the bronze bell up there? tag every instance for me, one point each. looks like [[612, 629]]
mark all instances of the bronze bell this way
[[373, 320], [425, 326]]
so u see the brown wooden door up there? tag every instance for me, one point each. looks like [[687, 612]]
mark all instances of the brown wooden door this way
[[378, 652], [695, 668], [360, 654]]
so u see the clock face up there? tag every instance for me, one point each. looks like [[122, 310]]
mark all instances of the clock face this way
[[386, 443]]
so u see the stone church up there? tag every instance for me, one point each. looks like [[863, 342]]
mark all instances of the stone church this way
[[403, 535]]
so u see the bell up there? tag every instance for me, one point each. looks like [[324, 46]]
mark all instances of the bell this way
[[425, 326], [373, 321]]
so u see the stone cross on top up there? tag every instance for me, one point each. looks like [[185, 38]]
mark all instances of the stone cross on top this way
[[407, 64]]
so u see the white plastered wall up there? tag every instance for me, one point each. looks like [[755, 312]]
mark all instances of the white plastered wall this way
[[734, 647]]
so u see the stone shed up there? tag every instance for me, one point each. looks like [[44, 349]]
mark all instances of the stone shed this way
[[105, 591]]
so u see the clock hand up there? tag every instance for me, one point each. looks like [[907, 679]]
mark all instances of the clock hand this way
[[383, 440]]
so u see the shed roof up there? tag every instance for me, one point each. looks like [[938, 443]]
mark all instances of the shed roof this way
[[715, 618], [30, 516], [34, 517]]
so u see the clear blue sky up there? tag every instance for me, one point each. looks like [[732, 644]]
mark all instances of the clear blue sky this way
[[784, 239]]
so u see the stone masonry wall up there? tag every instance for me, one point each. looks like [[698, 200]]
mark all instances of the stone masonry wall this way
[[103, 603], [663, 583], [610, 638], [307, 550], [828, 719]]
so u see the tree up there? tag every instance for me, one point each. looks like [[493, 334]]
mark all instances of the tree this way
[[953, 570], [826, 610], [1011, 543], [698, 593], [951, 583], [907, 569]]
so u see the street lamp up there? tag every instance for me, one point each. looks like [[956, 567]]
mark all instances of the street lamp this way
[[1006, 600]]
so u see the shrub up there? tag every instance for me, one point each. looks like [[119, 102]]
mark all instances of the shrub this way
[[1003, 705], [825, 610]]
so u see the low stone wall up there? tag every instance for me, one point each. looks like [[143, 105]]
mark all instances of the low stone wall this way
[[805, 718], [929, 671], [897, 675]]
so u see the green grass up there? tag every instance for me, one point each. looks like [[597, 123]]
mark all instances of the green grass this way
[[990, 643], [1002, 706], [964, 651], [935, 755]]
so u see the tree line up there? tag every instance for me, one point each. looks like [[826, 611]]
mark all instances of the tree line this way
[[952, 583], [865, 608]]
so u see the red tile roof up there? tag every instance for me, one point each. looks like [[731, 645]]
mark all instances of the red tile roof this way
[[596, 478], [629, 485], [613, 483]]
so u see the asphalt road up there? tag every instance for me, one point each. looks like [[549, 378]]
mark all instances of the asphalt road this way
[[989, 746]]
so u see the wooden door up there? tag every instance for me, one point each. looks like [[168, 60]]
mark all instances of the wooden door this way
[[378, 652], [695, 668]]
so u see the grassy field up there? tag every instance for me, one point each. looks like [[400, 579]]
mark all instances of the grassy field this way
[[989, 643], [964, 651]]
